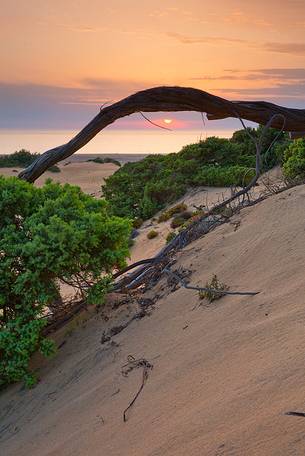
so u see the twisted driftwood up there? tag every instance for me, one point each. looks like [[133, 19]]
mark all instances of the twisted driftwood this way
[[169, 99]]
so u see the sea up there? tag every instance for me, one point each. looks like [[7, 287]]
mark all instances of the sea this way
[[123, 145]]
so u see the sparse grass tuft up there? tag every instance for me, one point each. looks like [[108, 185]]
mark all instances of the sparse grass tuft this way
[[170, 237], [214, 284], [166, 215], [152, 234]]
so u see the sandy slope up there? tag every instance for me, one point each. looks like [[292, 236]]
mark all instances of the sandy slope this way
[[205, 197], [146, 248], [224, 374]]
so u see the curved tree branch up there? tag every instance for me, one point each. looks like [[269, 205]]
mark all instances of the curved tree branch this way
[[168, 99]]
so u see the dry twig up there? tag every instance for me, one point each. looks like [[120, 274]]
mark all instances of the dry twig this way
[[127, 368], [212, 290]]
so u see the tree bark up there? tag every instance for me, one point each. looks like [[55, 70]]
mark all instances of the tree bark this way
[[168, 99]]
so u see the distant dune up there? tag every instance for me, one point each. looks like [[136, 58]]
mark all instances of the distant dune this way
[[78, 171]]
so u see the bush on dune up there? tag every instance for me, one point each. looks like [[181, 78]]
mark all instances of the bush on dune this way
[[21, 158], [47, 235], [54, 169], [159, 180], [294, 160], [102, 161]]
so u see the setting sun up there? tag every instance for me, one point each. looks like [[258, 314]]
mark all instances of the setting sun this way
[[167, 121]]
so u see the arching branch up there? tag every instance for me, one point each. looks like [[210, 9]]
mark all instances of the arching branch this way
[[168, 99]]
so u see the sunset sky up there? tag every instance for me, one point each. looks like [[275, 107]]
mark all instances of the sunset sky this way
[[61, 60]]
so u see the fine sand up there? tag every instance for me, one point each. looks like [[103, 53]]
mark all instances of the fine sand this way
[[224, 373]]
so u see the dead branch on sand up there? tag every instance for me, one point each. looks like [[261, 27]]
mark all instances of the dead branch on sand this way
[[301, 414], [210, 290], [134, 364]]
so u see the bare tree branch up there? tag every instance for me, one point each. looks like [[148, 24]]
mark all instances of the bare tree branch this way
[[168, 99]]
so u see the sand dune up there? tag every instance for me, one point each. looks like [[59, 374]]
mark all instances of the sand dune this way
[[89, 176], [224, 374]]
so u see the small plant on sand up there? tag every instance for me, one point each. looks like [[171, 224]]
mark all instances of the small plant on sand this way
[[54, 169], [215, 290], [104, 160], [170, 237], [152, 234], [166, 215], [49, 235], [137, 223]]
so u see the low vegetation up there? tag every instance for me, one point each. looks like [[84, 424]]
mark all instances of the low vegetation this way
[[294, 160], [104, 160], [54, 169], [22, 159], [137, 223], [171, 235], [180, 219], [167, 215], [152, 234], [49, 235], [215, 290], [159, 180]]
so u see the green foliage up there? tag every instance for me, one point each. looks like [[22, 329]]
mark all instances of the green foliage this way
[[224, 177], [152, 234], [294, 160], [104, 160], [271, 156], [214, 284], [137, 223], [166, 215], [21, 158], [180, 219], [171, 235], [159, 180], [177, 221], [49, 234], [54, 169]]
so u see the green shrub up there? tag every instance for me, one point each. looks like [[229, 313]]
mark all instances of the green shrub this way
[[170, 237], [280, 151], [137, 223], [21, 158], [214, 284], [143, 188], [294, 160], [47, 235], [270, 155], [104, 160], [54, 169], [166, 215], [152, 234], [177, 221], [224, 176]]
